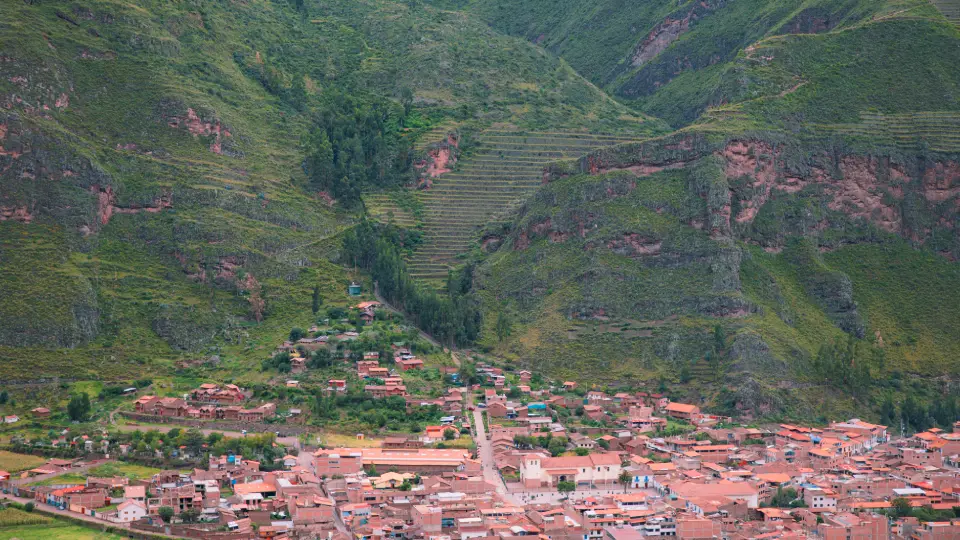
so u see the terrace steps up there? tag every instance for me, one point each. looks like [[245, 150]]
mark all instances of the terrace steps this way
[[938, 130], [950, 9], [485, 187]]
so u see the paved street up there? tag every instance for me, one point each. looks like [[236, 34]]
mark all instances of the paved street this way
[[485, 453]]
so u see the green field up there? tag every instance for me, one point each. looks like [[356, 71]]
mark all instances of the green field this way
[[14, 463], [54, 531], [66, 478], [130, 470]]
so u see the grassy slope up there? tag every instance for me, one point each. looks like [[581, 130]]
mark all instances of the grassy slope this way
[[897, 288], [125, 298], [697, 67]]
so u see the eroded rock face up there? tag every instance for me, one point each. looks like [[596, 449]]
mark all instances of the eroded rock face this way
[[197, 126], [863, 187], [634, 245], [875, 189], [106, 206], [670, 31], [439, 160]]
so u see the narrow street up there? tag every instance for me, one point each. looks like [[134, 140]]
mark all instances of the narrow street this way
[[485, 453]]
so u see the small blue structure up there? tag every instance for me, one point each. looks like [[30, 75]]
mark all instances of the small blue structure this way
[[354, 289]]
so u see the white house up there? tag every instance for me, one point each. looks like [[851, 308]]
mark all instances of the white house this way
[[130, 510], [538, 470]]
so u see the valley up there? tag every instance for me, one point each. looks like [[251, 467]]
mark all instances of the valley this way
[[591, 191]]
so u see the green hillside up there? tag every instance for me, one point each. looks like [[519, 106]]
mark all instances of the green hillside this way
[[672, 60], [153, 192], [755, 200]]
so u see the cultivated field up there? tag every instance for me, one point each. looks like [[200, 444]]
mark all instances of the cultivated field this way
[[14, 463]]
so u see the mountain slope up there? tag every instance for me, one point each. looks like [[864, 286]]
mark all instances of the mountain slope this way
[[153, 201], [671, 59], [791, 219]]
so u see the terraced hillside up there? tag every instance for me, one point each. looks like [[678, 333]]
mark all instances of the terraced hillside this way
[[937, 130], [384, 207], [505, 169], [950, 9]]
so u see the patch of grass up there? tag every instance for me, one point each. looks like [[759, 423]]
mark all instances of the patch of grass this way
[[332, 440], [55, 531], [66, 478], [13, 517], [129, 470], [14, 463]]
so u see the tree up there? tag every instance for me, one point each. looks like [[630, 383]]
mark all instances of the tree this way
[[503, 326], [29, 507], [685, 375], [888, 412], [566, 487], [372, 471], [625, 479], [719, 338], [901, 507], [449, 434], [166, 513], [79, 407], [582, 451], [296, 334], [4, 397], [406, 99], [317, 299]]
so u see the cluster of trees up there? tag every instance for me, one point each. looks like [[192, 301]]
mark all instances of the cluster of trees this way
[[356, 142], [901, 508], [848, 365], [919, 417], [453, 317], [79, 407], [554, 445], [358, 406], [786, 498]]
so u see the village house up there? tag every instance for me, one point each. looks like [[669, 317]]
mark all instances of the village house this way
[[537, 470], [130, 510], [213, 393], [409, 364], [682, 411], [382, 391], [340, 461]]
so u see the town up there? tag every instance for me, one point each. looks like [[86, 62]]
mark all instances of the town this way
[[471, 448]]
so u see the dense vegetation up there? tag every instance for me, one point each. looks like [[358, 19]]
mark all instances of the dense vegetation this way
[[356, 143], [452, 317], [184, 210]]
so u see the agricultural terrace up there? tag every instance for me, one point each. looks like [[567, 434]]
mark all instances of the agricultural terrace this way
[[485, 186], [937, 130], [950, 9]]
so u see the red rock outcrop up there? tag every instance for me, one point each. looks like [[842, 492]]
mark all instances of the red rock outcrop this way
[[106, 207], [197, 127], [634, 245]]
